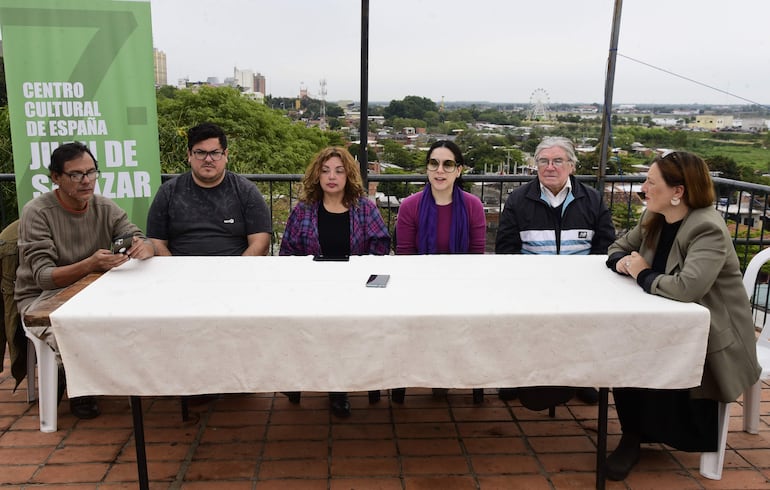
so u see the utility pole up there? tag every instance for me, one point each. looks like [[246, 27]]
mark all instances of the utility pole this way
[[609, 86], [363, 123]]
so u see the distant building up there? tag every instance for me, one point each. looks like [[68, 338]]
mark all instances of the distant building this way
[[712, 122], [640, 149], [586, 109], [685, 112], [251, 85], [244, 79], [667, 122], [753, 124], [161, 73], [255, 96], [626, 109], [260, 84]]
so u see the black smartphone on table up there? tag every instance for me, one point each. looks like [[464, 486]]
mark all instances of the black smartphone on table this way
[[378, 280], [331, 258]]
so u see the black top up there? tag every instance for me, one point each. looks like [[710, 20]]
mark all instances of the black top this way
[[333, 232], [667, 235]]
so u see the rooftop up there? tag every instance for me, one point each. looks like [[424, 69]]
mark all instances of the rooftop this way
[[261, 441]]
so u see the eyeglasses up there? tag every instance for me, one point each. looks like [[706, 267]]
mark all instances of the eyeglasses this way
[[78, 176], [449, 165], [215, 155], [556, 162]]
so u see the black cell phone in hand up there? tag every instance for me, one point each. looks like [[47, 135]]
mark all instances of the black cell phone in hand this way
[[121, 244], [377, 280]]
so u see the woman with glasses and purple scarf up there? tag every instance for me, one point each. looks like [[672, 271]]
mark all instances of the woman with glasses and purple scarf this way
[[442, 218]]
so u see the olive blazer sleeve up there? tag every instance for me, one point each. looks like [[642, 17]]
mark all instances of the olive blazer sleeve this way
[[702, 267]]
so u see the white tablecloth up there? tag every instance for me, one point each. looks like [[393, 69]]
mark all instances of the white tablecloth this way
[[192, 325]]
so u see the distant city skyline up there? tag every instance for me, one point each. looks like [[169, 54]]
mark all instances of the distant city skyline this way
[[497, 51]]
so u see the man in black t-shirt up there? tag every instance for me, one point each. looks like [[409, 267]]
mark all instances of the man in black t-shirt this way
[[209, 210]]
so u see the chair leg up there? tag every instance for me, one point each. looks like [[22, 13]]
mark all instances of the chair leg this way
[[398, 394], [48, 378], [552, 411], [751, 398], [185, 408], [711, 463], [31, 379], [478, 396], [374, 396], [293, 396]]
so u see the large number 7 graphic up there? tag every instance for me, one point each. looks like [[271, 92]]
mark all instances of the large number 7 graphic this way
[[112, 29]]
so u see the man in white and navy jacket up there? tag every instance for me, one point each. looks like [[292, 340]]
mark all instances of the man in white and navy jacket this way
[[554, 214]]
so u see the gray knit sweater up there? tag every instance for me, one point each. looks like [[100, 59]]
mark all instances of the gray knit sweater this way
[[51, 236]]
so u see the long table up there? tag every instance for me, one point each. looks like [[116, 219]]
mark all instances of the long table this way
[[195, 325]]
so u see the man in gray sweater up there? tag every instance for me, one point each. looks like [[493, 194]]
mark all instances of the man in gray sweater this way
[[66, 234]]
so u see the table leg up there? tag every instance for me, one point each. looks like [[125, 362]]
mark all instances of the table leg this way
[[141, 454], [601, 443], [185, 408]]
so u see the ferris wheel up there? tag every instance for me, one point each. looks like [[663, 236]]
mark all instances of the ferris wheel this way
[[538, 104]]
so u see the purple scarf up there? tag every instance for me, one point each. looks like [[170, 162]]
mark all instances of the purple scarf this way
[[428, 223]]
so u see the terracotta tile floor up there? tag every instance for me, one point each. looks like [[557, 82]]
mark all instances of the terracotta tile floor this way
[[261, 441]]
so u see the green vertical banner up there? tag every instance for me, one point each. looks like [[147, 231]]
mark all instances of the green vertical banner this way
[[82, 70]]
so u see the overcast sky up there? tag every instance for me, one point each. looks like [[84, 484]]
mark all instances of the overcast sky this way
[[493, 50]]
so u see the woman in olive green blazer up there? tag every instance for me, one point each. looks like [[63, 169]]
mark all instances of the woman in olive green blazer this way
[[681, 249]]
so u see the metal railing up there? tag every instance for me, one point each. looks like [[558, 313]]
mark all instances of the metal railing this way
[[745, 206]]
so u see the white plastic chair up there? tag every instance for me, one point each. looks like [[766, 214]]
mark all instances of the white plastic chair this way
[[752, 396], [31, 363], [711, 463], [48, 381]]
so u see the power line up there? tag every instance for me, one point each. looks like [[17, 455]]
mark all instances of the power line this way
[[692, 80]]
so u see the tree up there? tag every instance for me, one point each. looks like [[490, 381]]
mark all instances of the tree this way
[[481, 153], [461, 115], [260, 140], [587, 164], [679, 139], [412, 107], [10, 210], [432, 118], [400, 123], [371, 154], [398, 155], [727, 166], [622, 139], [334, 110], [167, 91], [397, 189]]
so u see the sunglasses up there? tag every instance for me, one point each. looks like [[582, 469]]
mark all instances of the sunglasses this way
[[449, 165]]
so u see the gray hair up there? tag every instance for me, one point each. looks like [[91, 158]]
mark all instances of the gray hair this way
[[560, 142]]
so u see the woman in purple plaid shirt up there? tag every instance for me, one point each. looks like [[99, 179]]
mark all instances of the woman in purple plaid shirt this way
[[334, 219]]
